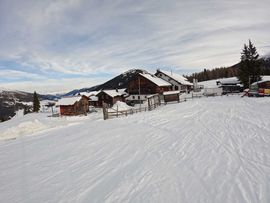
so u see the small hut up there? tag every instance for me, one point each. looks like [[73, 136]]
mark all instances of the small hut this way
[[72, 106], [171, 96], [110, 97]]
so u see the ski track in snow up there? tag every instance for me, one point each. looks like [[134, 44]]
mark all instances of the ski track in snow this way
[[203, 150]]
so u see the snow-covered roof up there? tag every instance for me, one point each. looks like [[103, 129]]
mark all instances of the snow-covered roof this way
[[265, 78], [171, 92], [179, 78], [68, 101], [93, 98], [114, 93], [158, 81], [231, 80], [88, 94], [209, 84]]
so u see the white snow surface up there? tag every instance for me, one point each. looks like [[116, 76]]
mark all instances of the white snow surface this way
[[209, 83], [121, 106], [158, 81], [203, 150]]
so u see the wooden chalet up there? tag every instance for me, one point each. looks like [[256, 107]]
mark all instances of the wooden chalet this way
[[93, 99], [145, 84], [177, 81], [110, 97], [230, 85], [72, 106]]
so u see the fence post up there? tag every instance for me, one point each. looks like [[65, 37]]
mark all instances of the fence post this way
[[117, 111], [105, 112], [148, 99]]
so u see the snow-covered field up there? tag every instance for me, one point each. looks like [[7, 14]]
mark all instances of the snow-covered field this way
[[203, 150]]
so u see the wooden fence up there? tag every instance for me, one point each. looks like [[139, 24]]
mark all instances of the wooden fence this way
[[153, 102]]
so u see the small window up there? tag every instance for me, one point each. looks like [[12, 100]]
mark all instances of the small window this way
[[145, 96], [133, 97], [139, 97]]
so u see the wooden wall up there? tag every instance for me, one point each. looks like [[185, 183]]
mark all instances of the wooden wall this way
[[146, 86], [80, 107]]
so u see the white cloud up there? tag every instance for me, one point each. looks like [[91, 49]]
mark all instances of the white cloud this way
[[82, 37], [14, 75]]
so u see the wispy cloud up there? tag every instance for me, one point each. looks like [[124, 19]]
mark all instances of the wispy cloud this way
[[83, 37]]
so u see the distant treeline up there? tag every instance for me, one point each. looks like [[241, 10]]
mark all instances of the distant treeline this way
[[226, 72]]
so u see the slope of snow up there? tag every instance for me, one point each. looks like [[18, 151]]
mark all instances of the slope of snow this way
[[35, 123], [203, 150], [266, 78], [209, 83]]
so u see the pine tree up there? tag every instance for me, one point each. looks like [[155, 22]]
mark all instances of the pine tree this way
[[36, 104], [249, 70]]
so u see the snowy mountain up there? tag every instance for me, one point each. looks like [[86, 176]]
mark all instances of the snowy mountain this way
[[11, 101], [121, 81], [265, 60]]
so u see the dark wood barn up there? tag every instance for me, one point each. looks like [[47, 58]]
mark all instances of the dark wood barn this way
[[72, 106], [147, 84], [171, 96], [230, 85], [110, 97]]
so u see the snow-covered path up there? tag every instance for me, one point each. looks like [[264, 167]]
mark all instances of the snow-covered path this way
[[203, 150]]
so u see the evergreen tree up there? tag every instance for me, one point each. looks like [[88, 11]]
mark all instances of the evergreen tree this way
[[36, 104], [249, 70]]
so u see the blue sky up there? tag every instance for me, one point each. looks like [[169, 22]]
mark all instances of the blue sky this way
[[56, 46]]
